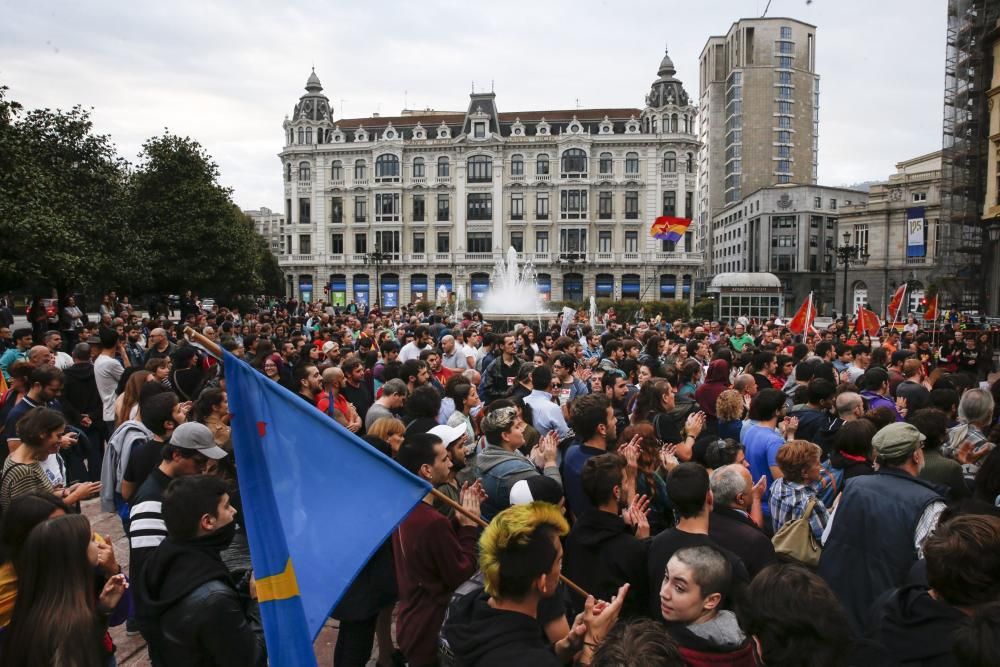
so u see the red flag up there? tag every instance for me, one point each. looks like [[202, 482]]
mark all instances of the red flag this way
[[804, 317], [866, 322], [896, 302], [931, 313]]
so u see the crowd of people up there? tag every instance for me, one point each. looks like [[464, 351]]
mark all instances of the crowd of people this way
[[717, 493]]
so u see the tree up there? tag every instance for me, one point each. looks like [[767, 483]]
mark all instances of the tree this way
[[61, 190], [197, 237]]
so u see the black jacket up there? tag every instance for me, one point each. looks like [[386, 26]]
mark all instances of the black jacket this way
[[733, 530], [196, 616], [477, 635], [600, 555], [914, 628], [80, 396]]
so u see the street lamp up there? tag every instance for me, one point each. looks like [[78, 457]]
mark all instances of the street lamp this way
[[375, 259], [850, 255]]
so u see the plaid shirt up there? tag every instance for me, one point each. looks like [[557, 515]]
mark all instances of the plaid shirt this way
[[788, 502]]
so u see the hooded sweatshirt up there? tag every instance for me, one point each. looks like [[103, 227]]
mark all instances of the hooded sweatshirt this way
[[80, 396], [192, 608], [499, 469], [716, 382], [116, 456], [601, 554], [480, 636], [719, 641], [914, 628]]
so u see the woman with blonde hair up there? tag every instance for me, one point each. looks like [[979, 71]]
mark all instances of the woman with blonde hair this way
[[729, 411], [127, 403], [390, 430]]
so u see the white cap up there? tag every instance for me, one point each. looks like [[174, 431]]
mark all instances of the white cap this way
[[448, 434]]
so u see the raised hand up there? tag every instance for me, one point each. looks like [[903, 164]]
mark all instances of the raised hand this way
[[470, 501], [668, 456], [106, 561], [760, 487], [694, 424], [111, 594]]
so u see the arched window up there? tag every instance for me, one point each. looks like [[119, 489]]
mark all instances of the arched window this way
[[860, 293], [444, 167], [288, 171], [337, 171], [689, 163], [359, 170], [291, 137], [302, 135], [517, 165], [309, 135], [673, 122], [387, 167], [687, 124], [574, 163], [669, 162], [305, 173], [542, 165], [631, 163], [606, 163], [418, 167], [479, 169]]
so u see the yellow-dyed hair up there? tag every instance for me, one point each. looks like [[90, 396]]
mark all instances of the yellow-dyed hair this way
[[514, 526]]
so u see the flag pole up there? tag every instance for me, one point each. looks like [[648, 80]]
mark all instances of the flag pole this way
[[211, 345]]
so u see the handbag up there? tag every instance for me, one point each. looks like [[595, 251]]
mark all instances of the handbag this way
[[796, 539]]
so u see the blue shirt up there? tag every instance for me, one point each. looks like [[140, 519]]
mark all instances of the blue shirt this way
[[762, 444], [548, 416], [576, 456]]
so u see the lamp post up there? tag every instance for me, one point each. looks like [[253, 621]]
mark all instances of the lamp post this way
[[850, 255], [570, 258], [375, 259]]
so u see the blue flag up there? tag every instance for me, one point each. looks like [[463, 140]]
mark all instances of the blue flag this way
[[317, 502]]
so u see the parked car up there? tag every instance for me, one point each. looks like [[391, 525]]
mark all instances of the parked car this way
[[207, 304], [51, 309]]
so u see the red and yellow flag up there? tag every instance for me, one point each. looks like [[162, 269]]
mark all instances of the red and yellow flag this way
[[931, 313], [804, 317], [667, 228], [896, 302], [866, 322]]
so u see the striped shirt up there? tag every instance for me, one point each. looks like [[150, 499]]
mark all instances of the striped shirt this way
[[146, 527], [20, 479]]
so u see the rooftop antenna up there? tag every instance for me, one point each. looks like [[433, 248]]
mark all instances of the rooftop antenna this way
[[491, 86], [405, 105], [578, 103], [473, 87], [766, 7]]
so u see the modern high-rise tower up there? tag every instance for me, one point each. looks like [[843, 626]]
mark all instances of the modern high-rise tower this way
[[758, 113]]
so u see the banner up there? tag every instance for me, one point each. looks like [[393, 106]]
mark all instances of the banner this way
[[916, 246]]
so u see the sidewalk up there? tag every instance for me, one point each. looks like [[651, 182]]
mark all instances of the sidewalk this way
[[132, 650]]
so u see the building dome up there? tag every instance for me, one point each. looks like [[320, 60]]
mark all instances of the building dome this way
[[314, 105], [667, 89]]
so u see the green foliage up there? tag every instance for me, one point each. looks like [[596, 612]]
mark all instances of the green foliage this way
[[74, 216], [704, 309]]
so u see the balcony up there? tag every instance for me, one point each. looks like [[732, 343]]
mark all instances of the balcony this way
[[605, 258], [539, 257], [543, 178], [418, 180], [336, 182], [516, 178], [631, 258], [442, 257], [359, 182], [916, 260], [443, 180], [417, 257], [478, 258]]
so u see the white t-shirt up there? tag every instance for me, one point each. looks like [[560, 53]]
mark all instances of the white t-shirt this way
[[55, 470], [410, 351], [107, 372], [63, 360]]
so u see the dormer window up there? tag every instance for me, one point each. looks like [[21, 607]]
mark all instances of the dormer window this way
[[479, 130]]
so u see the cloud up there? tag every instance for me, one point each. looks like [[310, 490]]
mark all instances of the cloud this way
[[226, 73]]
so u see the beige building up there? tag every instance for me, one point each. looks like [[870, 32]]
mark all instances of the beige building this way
[[393, 209], [271, 226], [788, 231], [991, 207], [898, 228], [758, 112]]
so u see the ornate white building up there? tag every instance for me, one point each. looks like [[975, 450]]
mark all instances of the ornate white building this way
[[431, 199]]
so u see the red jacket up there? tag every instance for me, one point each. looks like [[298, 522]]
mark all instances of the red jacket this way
[[433, 557]]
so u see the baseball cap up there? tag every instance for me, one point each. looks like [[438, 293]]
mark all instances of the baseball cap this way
[[327, 346], [194, 435], [535, 488], [448, 434], [897, 440]]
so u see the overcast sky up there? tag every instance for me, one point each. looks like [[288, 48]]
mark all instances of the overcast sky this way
[[227, 73]]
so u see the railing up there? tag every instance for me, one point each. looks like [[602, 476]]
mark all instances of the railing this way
[[517, 177], [442, 257], [417, 257], [337, 258], [418, 180], [545, 178], [605, 257], [654, 258], [359, 181], [479, 258], [539, 257], [337, 182], [916, 260], [303, 258], [631, 257], [443, 180]]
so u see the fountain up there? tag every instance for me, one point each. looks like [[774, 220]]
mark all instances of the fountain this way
[[513, 296]]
